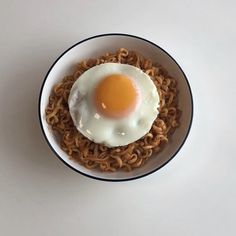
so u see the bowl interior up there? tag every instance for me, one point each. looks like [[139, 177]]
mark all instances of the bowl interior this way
[[97, 46]]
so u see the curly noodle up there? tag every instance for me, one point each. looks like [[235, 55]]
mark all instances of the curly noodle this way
[[93, 155]]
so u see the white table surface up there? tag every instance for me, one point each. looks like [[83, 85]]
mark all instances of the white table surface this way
[[195, 194]]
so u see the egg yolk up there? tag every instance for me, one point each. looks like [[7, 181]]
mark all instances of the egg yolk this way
[[116, 96]]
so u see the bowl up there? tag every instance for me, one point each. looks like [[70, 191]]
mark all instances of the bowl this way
[[96, 46]]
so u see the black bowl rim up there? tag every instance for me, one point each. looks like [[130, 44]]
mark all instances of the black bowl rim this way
[[129, 178]]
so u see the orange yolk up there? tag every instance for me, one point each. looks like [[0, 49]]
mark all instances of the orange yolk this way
[[116, 96]]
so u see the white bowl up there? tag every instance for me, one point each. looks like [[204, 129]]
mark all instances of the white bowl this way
[[96, 46]]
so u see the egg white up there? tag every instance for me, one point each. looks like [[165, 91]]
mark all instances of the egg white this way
[[108, 131]]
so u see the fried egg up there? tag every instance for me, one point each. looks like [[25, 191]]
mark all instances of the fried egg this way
[[113, 104]]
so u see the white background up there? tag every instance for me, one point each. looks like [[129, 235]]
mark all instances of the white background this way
[[195, 194]]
